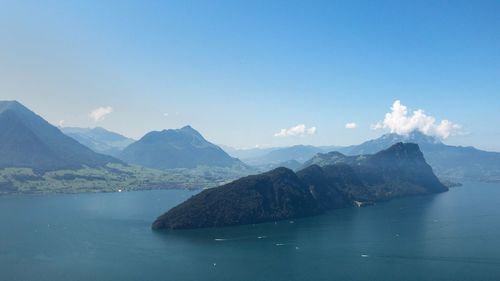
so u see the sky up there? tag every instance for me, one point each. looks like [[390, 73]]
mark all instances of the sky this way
[[259, 73]]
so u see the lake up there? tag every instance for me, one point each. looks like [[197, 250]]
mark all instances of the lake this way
[[107, 236]]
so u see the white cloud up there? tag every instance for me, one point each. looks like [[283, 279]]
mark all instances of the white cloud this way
[[61, 123], [165, 114], [351, 125], [300, 130], [400, 122], [100, 112]]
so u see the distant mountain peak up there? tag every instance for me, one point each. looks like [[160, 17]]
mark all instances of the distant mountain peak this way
[[185, 129], [172, 133], [176, 148], [401, 151], [12, 105], [99, 129], [98, 139], [188, 128], [29, 141], [453, 163], [415, 136], [386, 140], [400, 146]]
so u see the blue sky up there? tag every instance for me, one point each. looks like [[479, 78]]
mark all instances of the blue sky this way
[[241, 71]]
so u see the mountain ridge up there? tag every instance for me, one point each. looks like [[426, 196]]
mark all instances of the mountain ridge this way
[[453, 163], [281, 194], [99, 139], [28, 141], [176, 148]]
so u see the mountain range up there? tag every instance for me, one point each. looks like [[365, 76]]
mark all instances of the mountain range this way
[[98, 139], [450, 163], [280, 194], [291, 157], [36, 157], [28, 141], [176, 148], [247, 153], [455, 163]]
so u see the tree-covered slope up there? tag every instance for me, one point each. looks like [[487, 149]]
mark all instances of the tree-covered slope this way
[[275, 195], [398, 171]]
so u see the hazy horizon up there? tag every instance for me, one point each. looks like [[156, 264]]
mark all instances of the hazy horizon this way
[[418, 121], [259, 73]]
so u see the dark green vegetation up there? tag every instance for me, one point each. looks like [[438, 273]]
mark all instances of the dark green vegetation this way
[[99, 139], [398, 171], [28, 141], [450, 163], [180, 148], [278, 194]]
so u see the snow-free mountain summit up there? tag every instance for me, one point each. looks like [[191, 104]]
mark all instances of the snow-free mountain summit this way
[[176, 148], [99, 139], [455, 163], [28, 141]]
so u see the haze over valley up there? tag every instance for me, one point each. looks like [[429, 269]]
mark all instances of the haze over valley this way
[[37, 154]]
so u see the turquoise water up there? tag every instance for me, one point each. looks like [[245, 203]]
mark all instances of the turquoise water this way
[[450, 236]]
